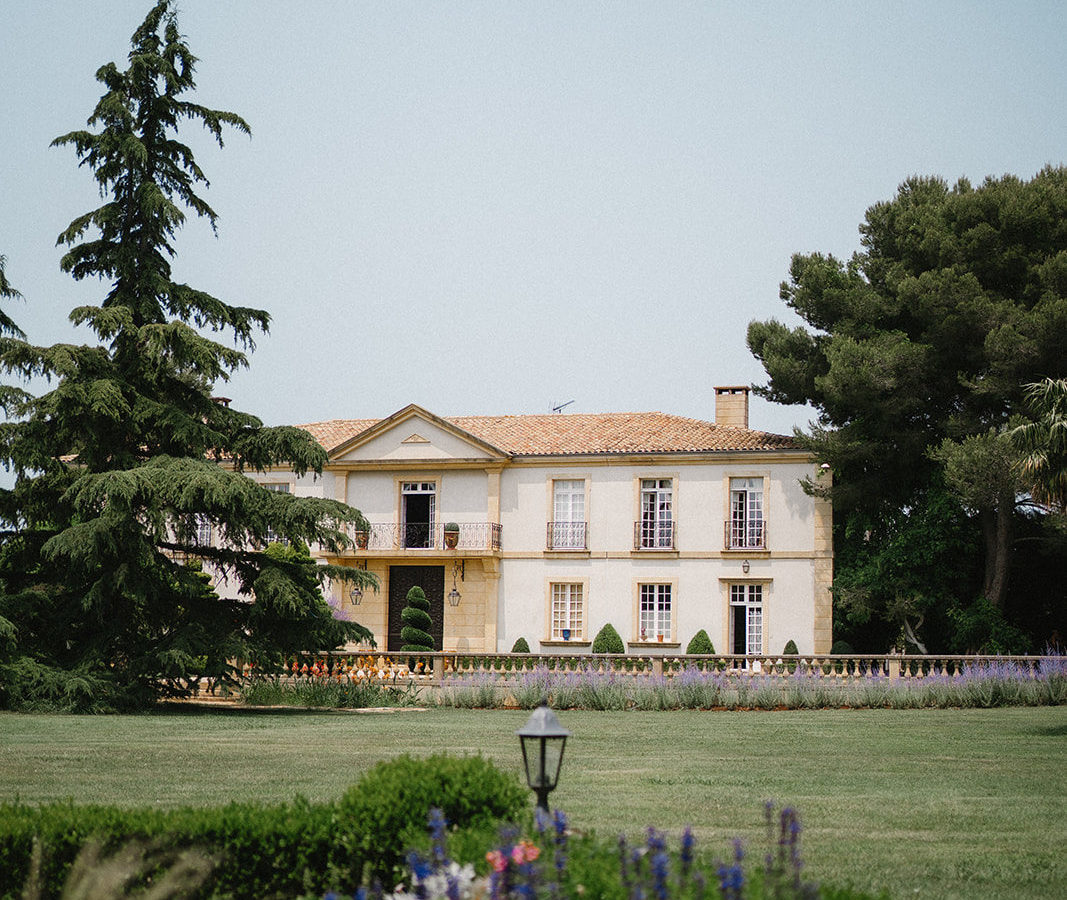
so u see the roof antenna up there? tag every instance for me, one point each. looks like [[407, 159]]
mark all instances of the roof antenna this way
[[559, 408]]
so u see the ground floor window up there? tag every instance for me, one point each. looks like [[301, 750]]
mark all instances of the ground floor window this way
[[655, 612], [746, 618], [567, 612]]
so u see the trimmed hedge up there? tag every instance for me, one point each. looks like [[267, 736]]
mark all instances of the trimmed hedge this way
[[607, 640], [265, 851]]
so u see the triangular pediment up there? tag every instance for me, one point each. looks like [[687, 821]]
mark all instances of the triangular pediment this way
[[414, 433]]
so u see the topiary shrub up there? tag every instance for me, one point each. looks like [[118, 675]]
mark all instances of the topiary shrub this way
[[520, 646], [791, 650], [842, 648], [700, 644], [416, 618], [607, 640], [390, 805]]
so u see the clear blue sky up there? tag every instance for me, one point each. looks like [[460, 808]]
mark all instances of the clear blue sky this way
[[495, 207]]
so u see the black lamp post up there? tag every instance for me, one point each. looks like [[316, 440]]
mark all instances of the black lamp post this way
[[542, 739]]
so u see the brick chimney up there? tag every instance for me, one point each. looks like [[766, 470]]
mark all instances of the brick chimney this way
[[731, 406]]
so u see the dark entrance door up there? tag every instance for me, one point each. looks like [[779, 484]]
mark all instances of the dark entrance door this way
[[432, 581]]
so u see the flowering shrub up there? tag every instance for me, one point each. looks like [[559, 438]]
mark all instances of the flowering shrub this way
[[540, 866]]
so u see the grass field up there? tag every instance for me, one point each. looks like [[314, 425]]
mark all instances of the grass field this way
[[924, 803]]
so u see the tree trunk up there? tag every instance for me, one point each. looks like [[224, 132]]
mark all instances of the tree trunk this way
[[996, 529]]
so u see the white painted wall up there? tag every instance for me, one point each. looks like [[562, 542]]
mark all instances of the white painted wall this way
[[611, 572]]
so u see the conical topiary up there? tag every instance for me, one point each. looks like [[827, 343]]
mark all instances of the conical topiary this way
[[791, 650], [607, 640], [416, 618], [700, 644], [520, 646]]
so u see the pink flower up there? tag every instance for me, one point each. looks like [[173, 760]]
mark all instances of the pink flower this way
[[524, 851], [497, 860]]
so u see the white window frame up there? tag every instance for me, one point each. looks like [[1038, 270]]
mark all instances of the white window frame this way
[[423, 487], [566, 609], [277, 487], [656, 529], [655, 611], [568, 530], [205, 531], [747, 598], [746, 528]]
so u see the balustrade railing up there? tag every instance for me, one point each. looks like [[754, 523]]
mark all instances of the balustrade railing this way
[[428, 536], [456, 664]]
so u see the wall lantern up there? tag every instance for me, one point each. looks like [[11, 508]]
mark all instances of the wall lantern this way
[[356, 593], [542, 739], [458, 568], [746, 567]]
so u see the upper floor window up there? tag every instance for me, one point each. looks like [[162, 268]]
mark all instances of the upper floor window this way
[[745, 529], [204, 531], [656, 528], [568, 612], [566, 531], [654, 613], [278, 487], [418, 502]]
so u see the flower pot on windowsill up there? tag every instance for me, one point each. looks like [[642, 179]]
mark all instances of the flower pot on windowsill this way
[[362, 539], [659, 637], [566, 632], [451, 532]]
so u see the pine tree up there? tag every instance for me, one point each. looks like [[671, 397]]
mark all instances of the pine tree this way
[[128, 455]]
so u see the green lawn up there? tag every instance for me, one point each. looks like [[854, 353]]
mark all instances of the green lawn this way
[[925, 803]]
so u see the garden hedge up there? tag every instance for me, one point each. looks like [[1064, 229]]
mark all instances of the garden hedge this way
[[264, 851]]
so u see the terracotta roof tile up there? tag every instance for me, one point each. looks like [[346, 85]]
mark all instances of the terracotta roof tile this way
[[578, 433]]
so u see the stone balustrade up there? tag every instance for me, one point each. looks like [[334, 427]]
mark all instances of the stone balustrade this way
[[455, 665]]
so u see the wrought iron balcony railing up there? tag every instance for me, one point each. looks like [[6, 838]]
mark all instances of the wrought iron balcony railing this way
[[428, 536], [652, 535], [566, 536], [742, 535]]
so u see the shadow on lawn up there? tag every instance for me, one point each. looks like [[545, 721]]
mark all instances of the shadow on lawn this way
[[1052, 731], [226, 709], [193, 709]]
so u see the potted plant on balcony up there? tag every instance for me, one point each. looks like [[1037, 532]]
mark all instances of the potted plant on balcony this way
[[451, 535], [362, 534]]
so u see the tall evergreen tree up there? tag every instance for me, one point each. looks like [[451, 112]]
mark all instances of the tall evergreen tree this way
[[7, 292], [957, 300], [128, 455]]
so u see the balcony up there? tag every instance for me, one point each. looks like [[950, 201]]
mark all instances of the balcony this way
[[473, 536], [566, 536], [745, 535], [652, 535]]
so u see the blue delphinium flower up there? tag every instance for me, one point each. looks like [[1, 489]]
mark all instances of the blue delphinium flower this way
[[559, 822], [732, 878], [659, 862], [437, 834]]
